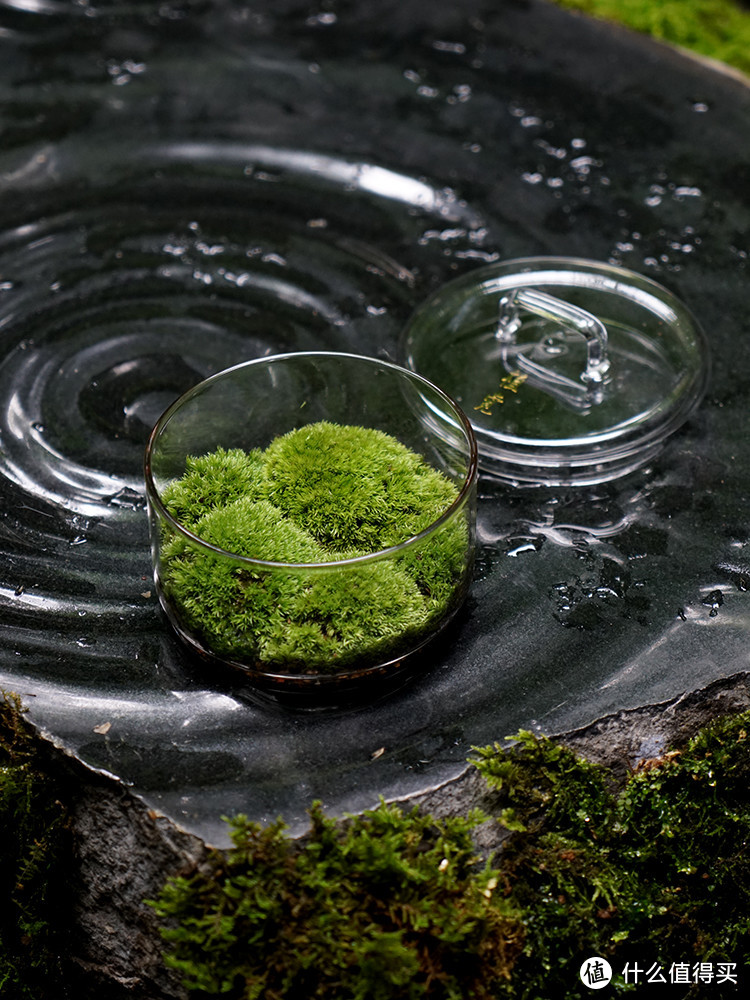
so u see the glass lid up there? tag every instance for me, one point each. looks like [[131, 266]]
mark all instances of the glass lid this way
[[571, 371]]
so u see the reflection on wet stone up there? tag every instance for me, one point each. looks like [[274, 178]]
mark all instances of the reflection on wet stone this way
[[643, 540], [714, 601], [737, 572], [154, 767], [599, 595], [128, 398]]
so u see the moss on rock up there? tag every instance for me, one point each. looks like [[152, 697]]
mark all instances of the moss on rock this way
[[654, 876], [33, 844], [387, 906]]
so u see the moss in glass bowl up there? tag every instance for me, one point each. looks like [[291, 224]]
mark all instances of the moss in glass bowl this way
[[306, 510]]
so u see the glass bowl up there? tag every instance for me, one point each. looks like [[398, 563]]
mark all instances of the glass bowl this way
[[312, 521]]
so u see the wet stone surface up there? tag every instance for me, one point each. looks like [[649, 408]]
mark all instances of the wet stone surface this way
[[191, 187]]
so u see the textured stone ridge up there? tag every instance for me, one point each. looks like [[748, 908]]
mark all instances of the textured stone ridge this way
[[123, 853], [620, 742]]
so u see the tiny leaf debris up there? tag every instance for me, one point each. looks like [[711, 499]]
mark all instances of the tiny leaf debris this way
[[508, 383]]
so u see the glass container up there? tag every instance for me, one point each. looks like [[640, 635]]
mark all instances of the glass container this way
[[571, 371], [319, 578]]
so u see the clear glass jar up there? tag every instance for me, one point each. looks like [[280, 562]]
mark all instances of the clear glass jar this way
[[317, 585]]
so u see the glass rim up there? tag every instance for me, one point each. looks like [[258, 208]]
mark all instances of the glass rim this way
[[154, 498]]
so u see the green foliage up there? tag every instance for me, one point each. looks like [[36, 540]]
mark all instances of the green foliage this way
[[321, 494], [545, 782], [391, 905], [214, 481], [382, 907], [719, 29], [32, 841], [354, 488], [658, 872]]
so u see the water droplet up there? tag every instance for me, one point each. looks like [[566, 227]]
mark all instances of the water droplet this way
[[127, 498], [527, 546], [714, 601], [458, 48], [209, 250], [324, 19]]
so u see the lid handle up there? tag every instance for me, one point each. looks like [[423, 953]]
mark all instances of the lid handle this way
[[570, 318]]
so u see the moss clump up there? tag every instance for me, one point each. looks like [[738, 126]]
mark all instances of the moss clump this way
[[354, 488], [652, 876], [32, 846], [213, 482], [318, 495], [387, 906], [655, 875], [719, 29]]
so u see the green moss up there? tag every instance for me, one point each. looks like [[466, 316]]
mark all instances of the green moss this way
[[354, 487], [32, 845], [655, 874], [391, 904], [321, 494], [282, 616], [386, 906], [214, 481], [719, 29], [330, 622]]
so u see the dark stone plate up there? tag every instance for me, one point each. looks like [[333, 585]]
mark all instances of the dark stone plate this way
[[189, 185]]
